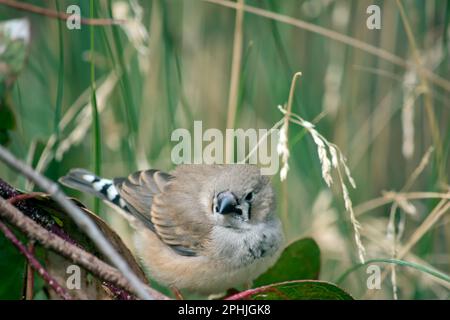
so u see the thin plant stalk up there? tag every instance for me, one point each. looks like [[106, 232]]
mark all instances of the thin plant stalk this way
[[95, 117], [34, 263], [235, 72], [60, 87], [284, 186], [425, 269], [428, 99]]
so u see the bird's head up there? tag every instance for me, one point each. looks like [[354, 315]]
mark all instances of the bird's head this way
[[242, 197]]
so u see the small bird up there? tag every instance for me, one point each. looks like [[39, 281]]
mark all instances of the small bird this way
[[200, 228]]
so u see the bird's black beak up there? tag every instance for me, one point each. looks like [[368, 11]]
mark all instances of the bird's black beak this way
[[227, 203]]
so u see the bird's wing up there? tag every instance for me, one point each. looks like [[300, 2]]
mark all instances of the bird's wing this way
[[138, 190], [155, 196]]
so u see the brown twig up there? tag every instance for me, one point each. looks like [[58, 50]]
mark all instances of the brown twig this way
[[29, 280], [34, 263], [19, 200], [81, 219], [58, 15], [51, 241]]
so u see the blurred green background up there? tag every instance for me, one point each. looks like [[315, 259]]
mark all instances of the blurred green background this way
[[171, 64]]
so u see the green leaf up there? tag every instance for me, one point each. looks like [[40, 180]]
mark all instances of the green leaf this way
[[295, 290], [299, 261]]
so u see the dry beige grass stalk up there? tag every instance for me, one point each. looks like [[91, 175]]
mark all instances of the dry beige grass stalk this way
[[439, 210], [327, 150], [394, 230], [235, 72]]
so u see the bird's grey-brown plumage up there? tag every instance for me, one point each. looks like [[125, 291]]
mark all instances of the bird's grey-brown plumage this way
[[213, 218]]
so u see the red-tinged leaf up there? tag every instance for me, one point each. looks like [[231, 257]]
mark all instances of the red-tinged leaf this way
[[294, 290]]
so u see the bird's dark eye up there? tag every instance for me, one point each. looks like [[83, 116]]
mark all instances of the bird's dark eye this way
[[249, 196]]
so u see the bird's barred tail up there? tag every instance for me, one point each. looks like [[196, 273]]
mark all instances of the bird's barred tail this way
[[85, 181]]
